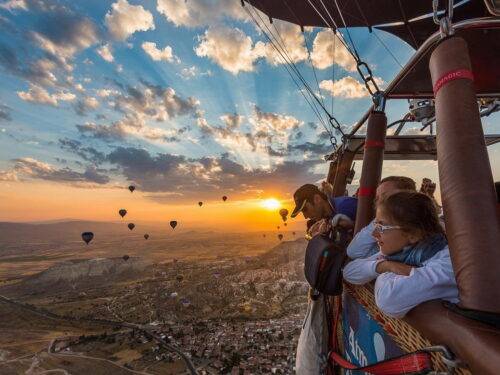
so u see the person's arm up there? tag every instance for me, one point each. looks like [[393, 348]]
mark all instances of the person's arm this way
[[363, 244], [397, 294], [361, 271]]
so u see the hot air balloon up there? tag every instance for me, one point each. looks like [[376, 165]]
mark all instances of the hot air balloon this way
[[278, 227], [280, 236], [131, 226], [264, 235], [131, 188], [125, 257], [293, 233], [200, 204], [179, 278], [284, 213], [173, 224], [122, 212], [224, 198], [285, 224], [146, 236], [87, 237]]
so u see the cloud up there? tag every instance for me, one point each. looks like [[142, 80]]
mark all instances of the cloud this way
[[5, 113], [105, 52], [89, 154], [327, 50], [275, 122], [228, 47], [104, 93], [291, 38], [156, 54], [124, 19], [83, 106], [207, 176], [232, 121], [314, 148], [14, 4], [196, 13], [39, 95], [347, 87], [34, 169]]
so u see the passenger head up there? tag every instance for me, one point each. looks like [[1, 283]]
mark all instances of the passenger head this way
[[312, 202], [404, 218], [392, 184]]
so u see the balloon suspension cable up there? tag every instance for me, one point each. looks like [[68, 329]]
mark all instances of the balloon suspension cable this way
[[292, 68], [362, 67]]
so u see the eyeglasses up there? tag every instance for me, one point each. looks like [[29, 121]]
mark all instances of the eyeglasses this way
[[382, 228]]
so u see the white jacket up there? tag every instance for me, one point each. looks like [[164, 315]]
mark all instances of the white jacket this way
[[396, 294], [363, 244]]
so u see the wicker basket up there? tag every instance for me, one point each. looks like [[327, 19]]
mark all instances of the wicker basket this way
[[407, 337]]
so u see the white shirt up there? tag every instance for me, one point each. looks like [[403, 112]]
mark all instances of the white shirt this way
[[363, 244], [396, 294]]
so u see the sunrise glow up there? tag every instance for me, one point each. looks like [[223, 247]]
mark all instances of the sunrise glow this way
[[271, 204]]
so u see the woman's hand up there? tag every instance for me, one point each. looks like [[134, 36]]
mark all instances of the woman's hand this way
[[394, 267]]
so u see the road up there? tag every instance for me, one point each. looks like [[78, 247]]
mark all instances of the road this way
[[142, 328]]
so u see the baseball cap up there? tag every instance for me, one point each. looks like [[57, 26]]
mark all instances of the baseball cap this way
[[302, 195]]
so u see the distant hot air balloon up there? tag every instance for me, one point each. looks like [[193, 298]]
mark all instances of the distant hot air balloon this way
[[284, 214], [285, 224], [125, 257], [278, 227], [264, 235], [131, 226], [293, 233], [173, 224], [224, 198], [87, 237], [179, 278], [146, 236], [122, 212], [200, 204], [131, 188], [280, 236]]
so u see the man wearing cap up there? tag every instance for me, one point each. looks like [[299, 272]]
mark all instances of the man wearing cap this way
[[327, 211]]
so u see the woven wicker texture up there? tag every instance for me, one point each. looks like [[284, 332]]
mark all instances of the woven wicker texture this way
[[407, 337]]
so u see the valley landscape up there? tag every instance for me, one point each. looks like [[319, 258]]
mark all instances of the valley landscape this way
[[218, 302]]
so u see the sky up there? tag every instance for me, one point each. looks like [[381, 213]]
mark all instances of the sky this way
[[186, 100]]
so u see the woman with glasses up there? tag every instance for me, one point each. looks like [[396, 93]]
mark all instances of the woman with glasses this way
[[413, 264]]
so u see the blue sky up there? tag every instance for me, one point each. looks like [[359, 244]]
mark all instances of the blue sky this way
[[181, 98]]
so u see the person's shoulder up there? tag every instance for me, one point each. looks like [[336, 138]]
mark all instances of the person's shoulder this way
[[345, 199], [442, 255]]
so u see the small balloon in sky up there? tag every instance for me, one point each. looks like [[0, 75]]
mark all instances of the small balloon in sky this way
[[284, 214], [264, 235], [87, 237], [131, 226], [280, 236], [179, 278], [278, 227], [125, 257], [293, 233], [131, 188], [146, 236], [173, 224], [224, 198], [200, 203], [285, 224], [122, 212]]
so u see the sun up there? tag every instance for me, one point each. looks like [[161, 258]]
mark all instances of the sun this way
[[271, 204]]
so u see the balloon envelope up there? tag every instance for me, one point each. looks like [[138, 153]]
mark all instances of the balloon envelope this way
[[131, 226], [200, 204], [131, 188], [173, 224], [224, 198], [284, 213], [280, 236], [125, 257], [146, 236], [87, 237], [179, 278], [122, 212]]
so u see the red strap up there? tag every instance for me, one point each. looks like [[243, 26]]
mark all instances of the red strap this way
[[451, 76], [366, 191], [413, 363], [369, 143]]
